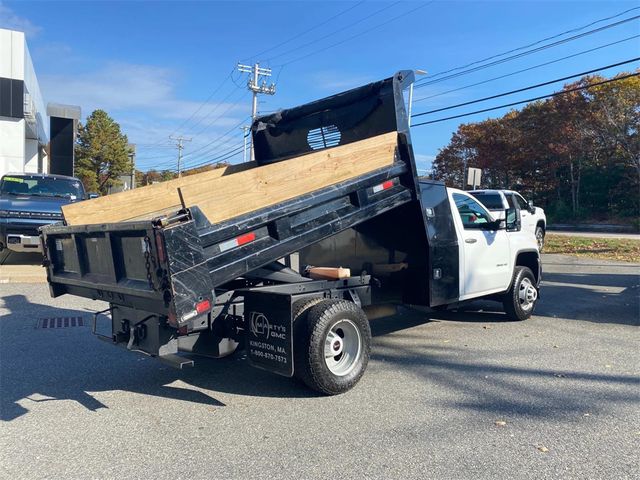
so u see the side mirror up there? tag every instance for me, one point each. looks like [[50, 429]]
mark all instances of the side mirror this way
[[532, 209], [91, 195], [513, 222]]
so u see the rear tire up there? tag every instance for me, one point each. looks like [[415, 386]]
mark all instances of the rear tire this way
[[540, 237], [332, 346], [520, 301]]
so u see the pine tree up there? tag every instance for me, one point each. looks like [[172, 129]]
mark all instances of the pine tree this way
[[102, 153]]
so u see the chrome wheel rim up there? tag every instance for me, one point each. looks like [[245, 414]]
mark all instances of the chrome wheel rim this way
[[527, 294], [342, 347], [540, 239]]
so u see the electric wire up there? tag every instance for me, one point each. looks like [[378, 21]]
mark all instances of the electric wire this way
[[333, 33], [522, 54], [525, 69], [393, 19], [555, 94], [566, 32], [216, 141], [530, 87], [301, 34]]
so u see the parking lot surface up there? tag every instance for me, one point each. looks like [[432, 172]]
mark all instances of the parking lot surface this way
[[449, 395]]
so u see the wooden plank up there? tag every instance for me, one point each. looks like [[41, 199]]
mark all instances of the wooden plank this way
[[243, 192], [141, 203], [227, 192]]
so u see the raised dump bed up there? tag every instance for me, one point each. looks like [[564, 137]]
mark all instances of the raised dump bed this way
[[181, 262]]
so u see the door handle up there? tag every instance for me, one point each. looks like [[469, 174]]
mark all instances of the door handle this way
[[470, 240]]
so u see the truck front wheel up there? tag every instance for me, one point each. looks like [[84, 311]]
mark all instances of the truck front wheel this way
[[332, 346], [521, 298]]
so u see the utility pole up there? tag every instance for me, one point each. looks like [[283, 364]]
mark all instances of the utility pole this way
[[256, 87], [245, 129], [180, 147]]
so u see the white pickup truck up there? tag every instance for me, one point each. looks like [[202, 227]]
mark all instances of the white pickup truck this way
[[533, 218]]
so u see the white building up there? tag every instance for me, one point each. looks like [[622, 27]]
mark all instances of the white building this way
[[24, 127]]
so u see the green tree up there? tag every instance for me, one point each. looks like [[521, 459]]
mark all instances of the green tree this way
[[102, 154]]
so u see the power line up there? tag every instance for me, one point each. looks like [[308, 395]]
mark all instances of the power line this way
[[531, 87], [331, 34], [222, 102], [218, 158], [224, 81], [535, 43], [216, 140], [236, 103], [208, 99], [393, 19], [525, 69], [301, 34], [555, 94], [528, 52]]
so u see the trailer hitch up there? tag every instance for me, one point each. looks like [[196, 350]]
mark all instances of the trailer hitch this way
[[138, 331]]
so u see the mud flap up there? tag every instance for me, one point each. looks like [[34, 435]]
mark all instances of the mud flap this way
[[269, 331]]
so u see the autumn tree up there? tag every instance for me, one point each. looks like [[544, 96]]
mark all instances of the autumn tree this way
[[102, 153], [576, 154]]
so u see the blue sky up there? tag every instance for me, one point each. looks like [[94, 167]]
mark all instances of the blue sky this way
[[151, 65]]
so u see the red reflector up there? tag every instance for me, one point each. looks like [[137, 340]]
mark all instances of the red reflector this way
[[246, 238], [203, 306], [383, 186]]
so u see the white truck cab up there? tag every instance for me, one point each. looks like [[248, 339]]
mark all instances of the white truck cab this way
[[497, 255], [533, 220]]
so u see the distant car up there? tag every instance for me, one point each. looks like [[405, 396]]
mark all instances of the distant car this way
[[29, 201], [533, 218]]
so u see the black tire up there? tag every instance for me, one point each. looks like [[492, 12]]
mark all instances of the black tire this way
[[313, 329], [540, 237], [515, 306]]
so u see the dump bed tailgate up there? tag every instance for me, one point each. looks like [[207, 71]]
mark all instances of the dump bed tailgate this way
[[127, 264]]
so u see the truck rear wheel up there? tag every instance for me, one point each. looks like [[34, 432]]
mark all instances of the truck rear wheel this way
[[521, 298], [332, 347]]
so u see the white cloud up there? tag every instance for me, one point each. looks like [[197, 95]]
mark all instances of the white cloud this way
[[120, 86], [142, 99], [9, 19]]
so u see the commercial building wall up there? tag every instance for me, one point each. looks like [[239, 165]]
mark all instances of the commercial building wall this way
[[23, 126]]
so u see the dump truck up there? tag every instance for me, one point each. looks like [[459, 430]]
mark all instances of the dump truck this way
[[284, 256]]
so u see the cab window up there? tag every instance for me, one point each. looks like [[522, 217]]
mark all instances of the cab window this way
[[471, 212], [522, 203]]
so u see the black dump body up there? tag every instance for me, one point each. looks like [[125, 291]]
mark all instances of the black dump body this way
[[176, 266]]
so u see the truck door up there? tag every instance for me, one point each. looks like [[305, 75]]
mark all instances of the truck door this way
[[484, 263]]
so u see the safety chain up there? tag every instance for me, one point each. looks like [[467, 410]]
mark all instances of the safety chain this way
[[147, 263]]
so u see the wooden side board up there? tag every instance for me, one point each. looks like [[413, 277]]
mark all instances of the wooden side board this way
[[227, 192], [140, 203], [229, 196]]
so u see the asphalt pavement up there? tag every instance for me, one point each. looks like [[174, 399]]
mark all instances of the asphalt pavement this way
[[451, 395]]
